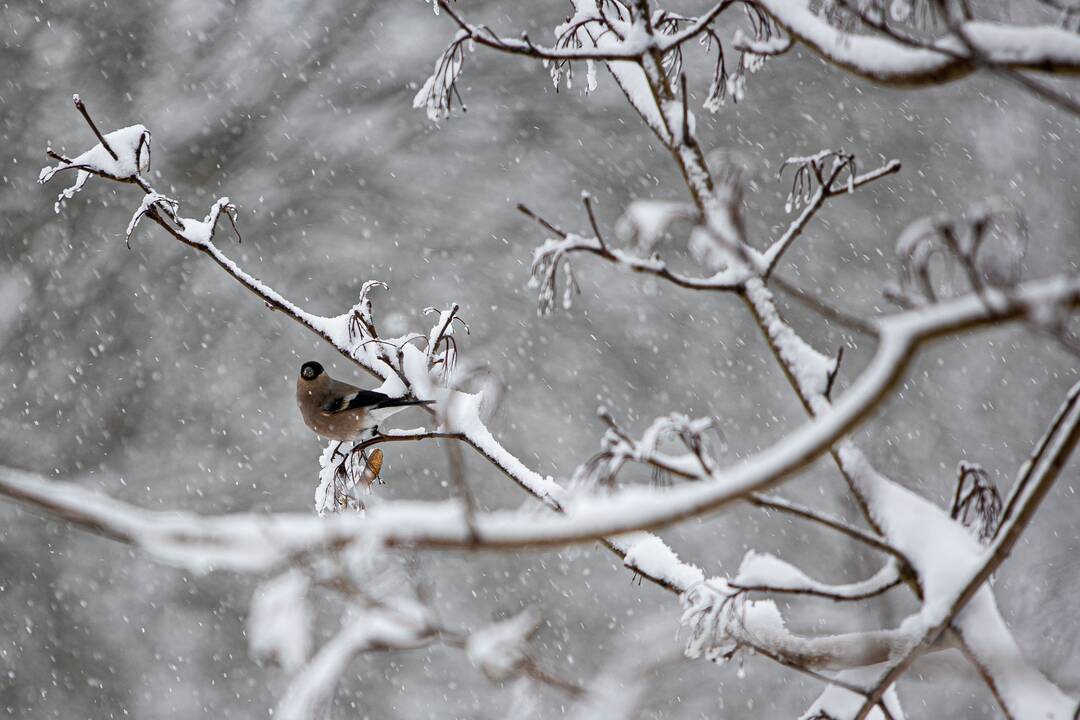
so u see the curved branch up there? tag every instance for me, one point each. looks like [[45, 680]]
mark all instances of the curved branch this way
[[765, 573], [439, 525]]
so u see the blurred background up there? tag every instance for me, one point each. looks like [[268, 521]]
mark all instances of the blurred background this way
[[150, 375]]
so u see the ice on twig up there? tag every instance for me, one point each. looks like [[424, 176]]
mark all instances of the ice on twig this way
[[707, 615], [438, 92], [546, 262]]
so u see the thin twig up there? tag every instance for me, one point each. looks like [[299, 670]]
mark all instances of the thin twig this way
[[97, 133], [586, 198]]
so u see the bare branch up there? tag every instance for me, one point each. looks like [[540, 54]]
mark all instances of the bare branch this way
[[89, 121]]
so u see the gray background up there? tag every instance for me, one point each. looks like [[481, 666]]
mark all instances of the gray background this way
[[150, 375]]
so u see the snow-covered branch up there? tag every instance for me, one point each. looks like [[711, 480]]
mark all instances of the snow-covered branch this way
[[762, 572], [353, 334], [1046, 49], [721, 620], [440, 525], [948, 598]]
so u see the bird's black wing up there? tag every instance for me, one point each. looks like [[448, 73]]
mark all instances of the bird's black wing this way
[[353, 401]]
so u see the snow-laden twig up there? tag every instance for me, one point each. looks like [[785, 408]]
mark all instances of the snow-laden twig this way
[[120, 155], [354, 336], [762, 572]]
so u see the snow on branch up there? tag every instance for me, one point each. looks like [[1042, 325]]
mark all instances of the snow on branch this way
[[120, 155], [440, 525], [762, 572], [955, 571], [720, 621], [884, 59], [353, 334], [639, 47]]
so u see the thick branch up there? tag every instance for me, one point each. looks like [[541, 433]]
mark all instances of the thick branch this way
[[1046, 49], [1065, 433], [439, 525]]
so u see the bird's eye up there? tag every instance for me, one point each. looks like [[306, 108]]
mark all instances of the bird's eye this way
[[308, 373]]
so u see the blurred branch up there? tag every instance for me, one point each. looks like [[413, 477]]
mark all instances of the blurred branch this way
[[1035, 462], [840, 317]]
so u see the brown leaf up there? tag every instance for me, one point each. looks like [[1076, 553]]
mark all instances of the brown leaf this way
[[374, 467]]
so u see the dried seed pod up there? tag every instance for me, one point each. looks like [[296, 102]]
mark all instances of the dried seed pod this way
[[374, 467]]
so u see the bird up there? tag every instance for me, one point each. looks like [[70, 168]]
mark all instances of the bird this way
[[339, 411]]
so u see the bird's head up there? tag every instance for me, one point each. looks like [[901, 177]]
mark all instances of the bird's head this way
[[310, 370]]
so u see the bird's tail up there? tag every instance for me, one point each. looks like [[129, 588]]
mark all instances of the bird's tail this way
[[403, 402]]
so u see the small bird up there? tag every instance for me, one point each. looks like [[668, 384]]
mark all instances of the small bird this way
[[339, 411]]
